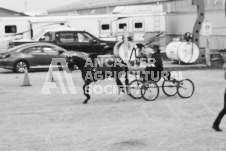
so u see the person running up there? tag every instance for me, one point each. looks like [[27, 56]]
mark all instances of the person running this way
[[217, 121]]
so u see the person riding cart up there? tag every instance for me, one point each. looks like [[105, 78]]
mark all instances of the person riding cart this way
[[154, 70]]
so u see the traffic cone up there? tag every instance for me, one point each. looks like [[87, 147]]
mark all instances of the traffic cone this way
[[26, 79], [51, 79]]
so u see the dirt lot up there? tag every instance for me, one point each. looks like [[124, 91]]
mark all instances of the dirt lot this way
[[31, 121]]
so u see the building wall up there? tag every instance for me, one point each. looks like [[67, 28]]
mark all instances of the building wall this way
[[8, 13], [178, 6], [63, 13], [184, 7], [103, 10]]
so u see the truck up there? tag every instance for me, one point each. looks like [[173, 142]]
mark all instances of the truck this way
[[71, 40]]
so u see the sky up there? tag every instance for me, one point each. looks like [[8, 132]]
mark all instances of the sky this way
[[33, 5]]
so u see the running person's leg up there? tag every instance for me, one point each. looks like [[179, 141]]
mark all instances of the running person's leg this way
[[217, 122]]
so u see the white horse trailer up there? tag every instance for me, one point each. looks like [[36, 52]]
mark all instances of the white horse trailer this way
[[142, 27], [12, 28], [26, 27]]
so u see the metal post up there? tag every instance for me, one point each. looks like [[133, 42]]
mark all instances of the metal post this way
[[125, 43], [208, 62]]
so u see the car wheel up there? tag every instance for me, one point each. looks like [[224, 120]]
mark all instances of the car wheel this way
[[19, 66]]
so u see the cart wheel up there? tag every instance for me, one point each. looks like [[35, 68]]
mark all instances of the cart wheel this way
[[150, 91], [135, 87], [169, 87], [185, 88]]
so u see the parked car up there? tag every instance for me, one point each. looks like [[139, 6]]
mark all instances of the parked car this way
[[30, 56], [71, 40]]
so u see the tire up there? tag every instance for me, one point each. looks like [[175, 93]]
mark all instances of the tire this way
[[19, 66], [150, 91], [135, 87], [185, 88], [169, 88]]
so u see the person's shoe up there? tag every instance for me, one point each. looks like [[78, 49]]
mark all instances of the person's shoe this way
[[216, 128]]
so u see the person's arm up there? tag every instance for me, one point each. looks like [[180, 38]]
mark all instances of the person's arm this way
[[224, 68]]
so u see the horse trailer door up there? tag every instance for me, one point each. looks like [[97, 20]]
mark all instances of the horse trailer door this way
[[106, 29], [120, 28], [138, 30]]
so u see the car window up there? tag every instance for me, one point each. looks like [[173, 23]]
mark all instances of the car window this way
[[47, 37], [67, 37], [48, 49], [35, 49], [84, 37]]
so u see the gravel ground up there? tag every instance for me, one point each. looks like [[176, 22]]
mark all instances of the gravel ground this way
[[31, 121]]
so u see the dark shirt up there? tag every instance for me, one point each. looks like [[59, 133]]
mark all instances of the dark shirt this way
[[158, 60]]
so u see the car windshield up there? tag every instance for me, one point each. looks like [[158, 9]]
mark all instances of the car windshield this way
[[59, 48], [35, 37]]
